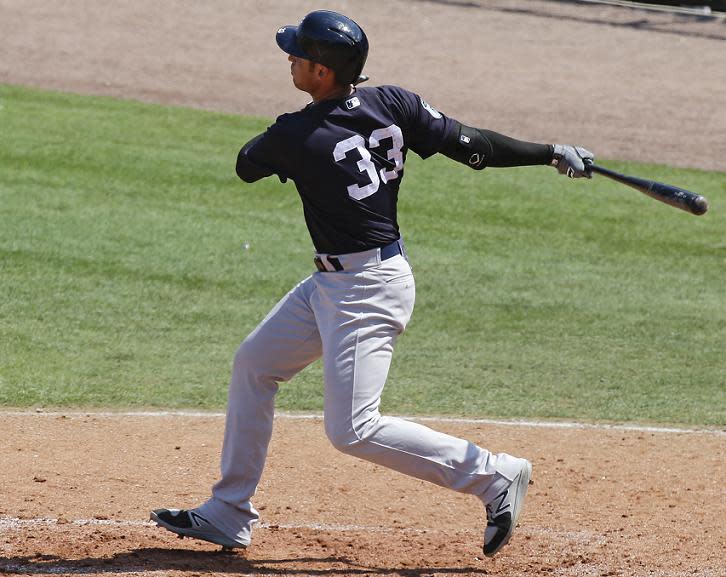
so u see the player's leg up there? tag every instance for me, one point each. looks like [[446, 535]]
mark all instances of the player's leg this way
[[285, 342], [358, 340]]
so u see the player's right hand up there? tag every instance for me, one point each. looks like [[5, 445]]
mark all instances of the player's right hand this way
[[572, 160]]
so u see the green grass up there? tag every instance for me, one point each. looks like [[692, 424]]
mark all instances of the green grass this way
[[124, 281]]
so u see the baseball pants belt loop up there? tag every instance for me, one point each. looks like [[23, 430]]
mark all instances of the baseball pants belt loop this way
[[358, 260], [319, 264]]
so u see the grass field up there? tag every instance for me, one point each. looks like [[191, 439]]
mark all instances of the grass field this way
[[133, 261]]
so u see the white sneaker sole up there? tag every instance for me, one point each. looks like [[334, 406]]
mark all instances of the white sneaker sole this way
[[215, 538]]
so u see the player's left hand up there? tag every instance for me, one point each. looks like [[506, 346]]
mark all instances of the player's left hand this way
[[572, 160]]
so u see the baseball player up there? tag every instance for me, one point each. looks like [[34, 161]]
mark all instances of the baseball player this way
[[345, 152]]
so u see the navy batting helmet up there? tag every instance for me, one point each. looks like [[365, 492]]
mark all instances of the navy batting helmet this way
[[330, 39]]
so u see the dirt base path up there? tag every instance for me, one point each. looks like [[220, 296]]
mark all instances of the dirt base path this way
[[628, 84], [77, 491]]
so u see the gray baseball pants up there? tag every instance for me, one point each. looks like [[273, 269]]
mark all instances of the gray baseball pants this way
[[352, 319]]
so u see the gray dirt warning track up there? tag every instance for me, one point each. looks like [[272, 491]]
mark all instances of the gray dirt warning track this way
[[628, 84]]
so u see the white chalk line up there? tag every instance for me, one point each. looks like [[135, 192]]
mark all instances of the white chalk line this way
[[16, 524], [699, 11], [318, 416]]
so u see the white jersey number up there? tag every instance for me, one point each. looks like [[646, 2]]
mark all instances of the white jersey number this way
[[365, 164]]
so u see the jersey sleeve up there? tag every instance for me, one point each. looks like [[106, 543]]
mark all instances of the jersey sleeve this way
[[426, 128], [269, 151]]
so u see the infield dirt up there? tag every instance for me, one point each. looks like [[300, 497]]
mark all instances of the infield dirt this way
[[77, 489]]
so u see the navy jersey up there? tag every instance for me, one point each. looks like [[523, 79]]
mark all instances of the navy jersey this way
[[346, 158]]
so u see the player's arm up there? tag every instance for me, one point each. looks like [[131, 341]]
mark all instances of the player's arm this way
[[260, 158], [247, 169], [479, 148]]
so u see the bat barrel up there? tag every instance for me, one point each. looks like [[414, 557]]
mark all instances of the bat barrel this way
[[667, 193]]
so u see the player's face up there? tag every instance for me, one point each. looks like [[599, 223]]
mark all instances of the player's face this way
[[305, 74]]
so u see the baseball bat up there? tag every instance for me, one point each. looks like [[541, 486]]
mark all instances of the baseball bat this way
[[667, 193]]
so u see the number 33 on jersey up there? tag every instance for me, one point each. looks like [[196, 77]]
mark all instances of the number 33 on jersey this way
[[365, 164]]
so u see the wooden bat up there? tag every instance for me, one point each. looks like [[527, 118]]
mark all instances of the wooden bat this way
[[667, 193]]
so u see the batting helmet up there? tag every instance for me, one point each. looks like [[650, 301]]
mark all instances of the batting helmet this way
[[330, 39]]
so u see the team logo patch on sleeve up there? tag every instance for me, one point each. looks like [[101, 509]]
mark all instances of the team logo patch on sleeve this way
[[431, 110]]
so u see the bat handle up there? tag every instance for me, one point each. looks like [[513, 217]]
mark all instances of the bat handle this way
[[590, 166]]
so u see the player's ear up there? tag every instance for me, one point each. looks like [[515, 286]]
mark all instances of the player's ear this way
[[325, 73]]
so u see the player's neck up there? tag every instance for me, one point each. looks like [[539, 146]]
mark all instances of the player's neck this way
[[332, 92]]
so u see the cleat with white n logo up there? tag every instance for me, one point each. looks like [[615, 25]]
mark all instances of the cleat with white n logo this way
[[503, 511], [189, 523]]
